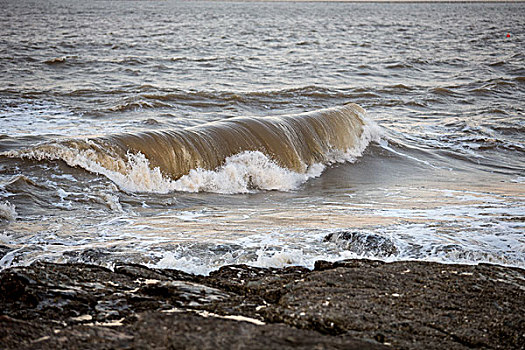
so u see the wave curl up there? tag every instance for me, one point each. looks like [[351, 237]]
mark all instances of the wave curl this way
[[229, 156]]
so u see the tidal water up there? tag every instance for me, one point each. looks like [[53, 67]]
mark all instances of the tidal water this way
[[190, 135]]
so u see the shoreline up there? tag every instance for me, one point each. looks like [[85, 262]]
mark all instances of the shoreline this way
[[350, 304]]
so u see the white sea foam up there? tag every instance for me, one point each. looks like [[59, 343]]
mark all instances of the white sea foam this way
[[372, 132], [283, 258], [45, 117], [414, 242], [7, 211], [137, 176], [189, 264], [243, 173]]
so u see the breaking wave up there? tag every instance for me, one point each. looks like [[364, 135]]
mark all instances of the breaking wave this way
[[7, 212], [229, 156]]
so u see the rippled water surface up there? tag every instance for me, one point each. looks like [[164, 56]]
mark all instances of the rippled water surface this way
[[100, 101]]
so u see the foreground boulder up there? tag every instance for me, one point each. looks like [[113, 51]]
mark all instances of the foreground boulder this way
[[352, 304]]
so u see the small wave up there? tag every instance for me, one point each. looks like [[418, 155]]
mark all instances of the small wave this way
[[496, 111], [17, 181], [224, 98], [468, 135], [7, 212], [400, 87], [442, 91], [399, 65], [497, 64], [386, 146], [397, 89], [150, 121], [133, 61], [419, 61], [56, 60], [134, 105], [147, 96], [492, 85], [34, 117], [195, 59], [234, 155]]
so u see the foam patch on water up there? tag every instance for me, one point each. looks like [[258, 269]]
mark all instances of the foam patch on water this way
[[184, 263], [7, 211], [274, 254], [136, 177], [403, 242], [201, 241], [32, 117]]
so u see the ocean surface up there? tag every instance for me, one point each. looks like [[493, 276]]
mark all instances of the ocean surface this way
[[191, 135]]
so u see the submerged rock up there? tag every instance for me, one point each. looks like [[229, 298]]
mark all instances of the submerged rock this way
[[351, 304], [363, 243]]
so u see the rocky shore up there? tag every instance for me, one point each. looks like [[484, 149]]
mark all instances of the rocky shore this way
[[351, 304]]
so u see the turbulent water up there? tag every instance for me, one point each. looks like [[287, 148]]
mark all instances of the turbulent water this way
[[191, 135]]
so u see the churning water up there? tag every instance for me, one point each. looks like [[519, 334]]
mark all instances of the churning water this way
[[191, 135]]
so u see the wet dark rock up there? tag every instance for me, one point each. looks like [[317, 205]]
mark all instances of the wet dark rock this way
[[350, 304], [4, 250], [363, 243], [140, 271], [91, 255]]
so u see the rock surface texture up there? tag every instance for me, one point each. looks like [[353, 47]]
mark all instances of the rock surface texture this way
[[351, 304]]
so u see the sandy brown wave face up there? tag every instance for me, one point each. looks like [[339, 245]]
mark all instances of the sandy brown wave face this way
[[293, 142], [145, 161]]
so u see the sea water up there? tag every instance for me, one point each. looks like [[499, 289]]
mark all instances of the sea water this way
[[101, 103]]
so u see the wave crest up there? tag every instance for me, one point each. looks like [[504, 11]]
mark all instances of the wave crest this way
[[235, 155]]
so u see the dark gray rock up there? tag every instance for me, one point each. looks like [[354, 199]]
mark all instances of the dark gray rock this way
[[4, 250], [363, 243], [351, 304]]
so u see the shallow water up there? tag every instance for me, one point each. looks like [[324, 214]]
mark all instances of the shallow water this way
[[437, 173]]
